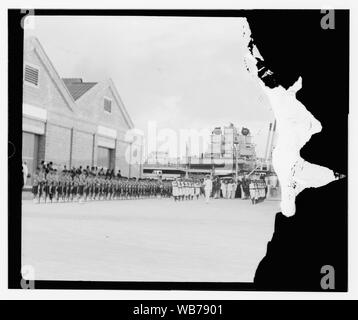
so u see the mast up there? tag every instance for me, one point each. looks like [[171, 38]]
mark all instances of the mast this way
[[272, 140], [268, 141]]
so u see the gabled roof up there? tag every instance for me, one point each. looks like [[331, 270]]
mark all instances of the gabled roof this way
[[72, 89], [33, 42], [122, 107], [77, 87], [107, 83]]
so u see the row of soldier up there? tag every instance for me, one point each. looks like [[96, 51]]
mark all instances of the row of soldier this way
[[186, 189], [83, 185], [50, 185]]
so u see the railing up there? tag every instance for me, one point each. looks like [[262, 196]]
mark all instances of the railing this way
[[163, 165]]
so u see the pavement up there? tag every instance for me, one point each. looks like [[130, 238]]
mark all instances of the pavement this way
[[147, 240]]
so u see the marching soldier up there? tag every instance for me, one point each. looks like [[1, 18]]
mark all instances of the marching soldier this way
[[76, 181], [96, 187], [47, 185], [253, 192], [197, 189], [63, 186], [68, 186], [35, 186], [54, 185], [175, 190], [81, 186], [208, 186], [59, 186]]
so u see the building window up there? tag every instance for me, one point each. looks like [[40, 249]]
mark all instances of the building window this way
[[107, 105], [31, 75]]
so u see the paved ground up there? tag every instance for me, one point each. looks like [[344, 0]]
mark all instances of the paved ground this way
[[147, 240]]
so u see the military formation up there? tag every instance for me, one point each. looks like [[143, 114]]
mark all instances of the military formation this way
[[51, 185], [186, 189], [258, 191], [89, 184]]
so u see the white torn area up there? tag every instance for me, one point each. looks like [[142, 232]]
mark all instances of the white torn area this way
[[295, 127]]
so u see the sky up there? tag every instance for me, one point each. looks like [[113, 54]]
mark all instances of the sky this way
[[182, 73]]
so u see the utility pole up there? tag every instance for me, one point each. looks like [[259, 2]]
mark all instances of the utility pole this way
[[236, 162], [268, 141], [272, 141]]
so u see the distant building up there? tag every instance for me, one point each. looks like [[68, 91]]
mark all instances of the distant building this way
[[71, 122], [228, 148], [228, 143]]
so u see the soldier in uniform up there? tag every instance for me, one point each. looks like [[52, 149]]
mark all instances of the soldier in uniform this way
[[208, 186], [170, 189], [253, 191], [108, 182], [135, 189], [113, 188], [132, 189], [120, 188], [76, 181], [35, 185], [180, 189], [63, 185], [110, 188], [187, 189], [175, 190], [159, 189], [246, 187], [59, 186], [81, 186], [90, 186], [100, 186], [86, 185], [116, 187], [42, 183], [105, 187], [126, 189], [96, 186], [48, 186], [69, 186], [197, 189], [192, 189], [54, 185], [111, 183]]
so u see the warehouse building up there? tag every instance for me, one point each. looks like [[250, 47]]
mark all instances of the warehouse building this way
[[71, 122]]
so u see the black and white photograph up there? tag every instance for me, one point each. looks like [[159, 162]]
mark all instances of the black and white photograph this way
[[178, 149], [170, 189]]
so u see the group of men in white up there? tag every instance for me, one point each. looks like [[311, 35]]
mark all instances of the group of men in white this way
[[188, 189], [228, 189]]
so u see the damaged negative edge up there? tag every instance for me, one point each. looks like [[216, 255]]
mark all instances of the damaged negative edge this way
[[295, 127]]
